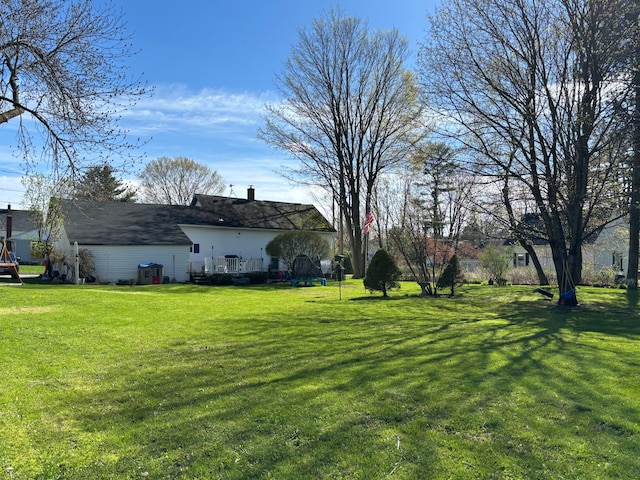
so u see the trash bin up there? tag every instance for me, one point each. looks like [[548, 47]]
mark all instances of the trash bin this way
[[150, 273]]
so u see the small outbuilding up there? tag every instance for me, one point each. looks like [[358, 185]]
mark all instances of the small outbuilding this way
[[150, 273]]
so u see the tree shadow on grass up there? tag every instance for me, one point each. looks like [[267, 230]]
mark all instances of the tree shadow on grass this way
[[632, 297], [326, 399], [376, 298]]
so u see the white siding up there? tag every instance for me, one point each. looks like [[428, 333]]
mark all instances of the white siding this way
[[113, 262], [612, 243], [243, 242]]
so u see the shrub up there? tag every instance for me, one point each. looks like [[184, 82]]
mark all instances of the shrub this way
[[256, 278], [86, 262], [221, 279], [525, 276], [452, 275], [383, 273], [603, 277], [496, 261], [287, 246]]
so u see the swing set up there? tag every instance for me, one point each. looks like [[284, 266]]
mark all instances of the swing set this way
[[568, 296], [8, 264]]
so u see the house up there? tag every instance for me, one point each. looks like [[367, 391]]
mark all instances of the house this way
[[604, 251], [213, 234], [18, 227], [120, 236], [610, 249]]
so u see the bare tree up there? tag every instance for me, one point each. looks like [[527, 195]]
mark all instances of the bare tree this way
[[348, 107], [42, 196], [632, 15], [63, 77], [437, 197], [533, 88], [174, 181]]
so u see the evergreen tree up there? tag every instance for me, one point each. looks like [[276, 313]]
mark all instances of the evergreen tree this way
[[383, 273], [99, 183], [452, 275]]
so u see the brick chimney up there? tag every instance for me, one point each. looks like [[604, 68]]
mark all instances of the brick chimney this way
[[251, 193]]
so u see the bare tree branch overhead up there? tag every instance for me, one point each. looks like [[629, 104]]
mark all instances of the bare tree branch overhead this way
[[64, 79]]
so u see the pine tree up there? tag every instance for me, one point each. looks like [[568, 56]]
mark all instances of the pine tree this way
[[383, 273], [99, 183], [452, 275]]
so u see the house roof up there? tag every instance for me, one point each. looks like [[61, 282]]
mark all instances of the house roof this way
[[120, 223], [243, 213], [21, 221]]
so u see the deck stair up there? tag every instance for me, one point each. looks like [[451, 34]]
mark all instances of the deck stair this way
[[200, 278]]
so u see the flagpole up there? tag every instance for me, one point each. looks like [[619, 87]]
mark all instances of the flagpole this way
[[366, 230], [366, 252]]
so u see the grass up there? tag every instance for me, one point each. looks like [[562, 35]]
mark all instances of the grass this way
[[180, 381], [31, 269]]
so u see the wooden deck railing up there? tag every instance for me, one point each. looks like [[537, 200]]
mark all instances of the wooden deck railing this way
[[233, 265]]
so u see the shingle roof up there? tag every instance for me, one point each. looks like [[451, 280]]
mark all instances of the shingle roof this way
[[21, 221], [120, 223], [242, 213]]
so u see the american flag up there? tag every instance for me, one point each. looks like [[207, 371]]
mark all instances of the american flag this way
[[368, 222]]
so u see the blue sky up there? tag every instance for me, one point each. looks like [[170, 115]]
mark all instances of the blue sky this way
[[212, 66]]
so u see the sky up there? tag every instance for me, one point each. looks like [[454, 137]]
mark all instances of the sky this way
[[211, 66]]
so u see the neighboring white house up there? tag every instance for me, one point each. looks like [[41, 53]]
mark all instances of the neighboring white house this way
[[213, 234], [610, 250], [607, 252], [21, 230]]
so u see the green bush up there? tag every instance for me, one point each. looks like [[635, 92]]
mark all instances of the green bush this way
[[256, 278], [383, 273], [221, 279], [495, 261], [452, 275]]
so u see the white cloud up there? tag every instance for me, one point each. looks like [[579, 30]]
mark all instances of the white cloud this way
[[175, 108], [215, 127]]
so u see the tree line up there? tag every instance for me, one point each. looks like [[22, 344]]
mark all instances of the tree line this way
[[516, 107], [165, 181]]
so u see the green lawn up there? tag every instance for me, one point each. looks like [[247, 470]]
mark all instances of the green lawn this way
[[32, 269], [181, 381]]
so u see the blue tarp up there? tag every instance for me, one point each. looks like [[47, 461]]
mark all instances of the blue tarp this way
[[150, 265], [569, 298]]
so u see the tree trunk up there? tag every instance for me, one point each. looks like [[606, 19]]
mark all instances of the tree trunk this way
[[542, 277], [634, 205], [357, 257], [426, 289]]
